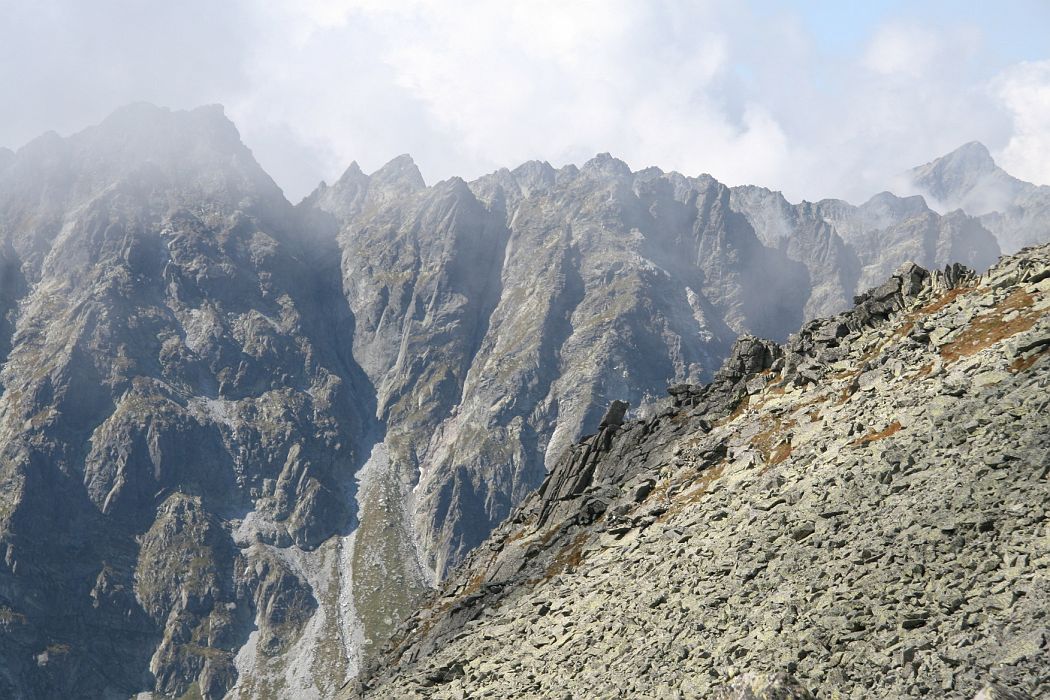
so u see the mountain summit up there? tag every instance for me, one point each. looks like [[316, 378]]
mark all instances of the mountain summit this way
[[969, 179]]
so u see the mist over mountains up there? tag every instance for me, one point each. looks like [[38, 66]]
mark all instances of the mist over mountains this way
[[968, 179], [241, 438]]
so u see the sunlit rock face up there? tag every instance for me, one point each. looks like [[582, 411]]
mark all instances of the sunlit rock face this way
[[240, 438]]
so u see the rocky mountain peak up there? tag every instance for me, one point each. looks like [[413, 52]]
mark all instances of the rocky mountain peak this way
[[506, 187], [894, 204], [401, 173], [605, 165], [969, 179], [353, 173], [972, 157], [141, 119], [533, 176], [342, 198], [170, 139], [886, 209], [197, 152]]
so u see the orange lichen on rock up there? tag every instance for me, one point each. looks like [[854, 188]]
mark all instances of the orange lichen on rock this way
[[740, 409], [700, 485], [780, 453], [473, 585], [773, 443], [923, 371], [569, 557], [890, 429], [989, 328], [847, 392], [903, 330], [945, 299]]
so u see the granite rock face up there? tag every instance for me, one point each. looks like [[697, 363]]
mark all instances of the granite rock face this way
[[496, 319], [240, 439], [178, 410], [861, 512]]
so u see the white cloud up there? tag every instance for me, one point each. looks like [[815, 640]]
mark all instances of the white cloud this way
[[697, 87], [477, 86], [553, 80], [1025, 92], [743, 92], [901, 49]]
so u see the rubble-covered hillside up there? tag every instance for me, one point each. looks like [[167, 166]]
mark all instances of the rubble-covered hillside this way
[[859, 513]]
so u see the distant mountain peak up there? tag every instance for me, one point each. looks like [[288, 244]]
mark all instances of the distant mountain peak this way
[[972, 157], [139, 118], [889, 201], [606, 164], [973, 149], [400, 172], [198, 150], [534, 169], [968, 178], [352, 174]]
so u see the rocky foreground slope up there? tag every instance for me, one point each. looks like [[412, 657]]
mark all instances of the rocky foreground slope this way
[[864, 508]]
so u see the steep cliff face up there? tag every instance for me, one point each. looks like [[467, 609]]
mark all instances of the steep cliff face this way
[[240, 439], [618, 266], [494, 317], [807, 234], [847, 248], [173, 365], [863, 508], [888, 231]]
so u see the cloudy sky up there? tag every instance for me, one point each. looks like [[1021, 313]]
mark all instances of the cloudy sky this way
[[816, 98]]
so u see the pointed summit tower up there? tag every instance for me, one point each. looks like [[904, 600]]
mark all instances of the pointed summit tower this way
[[968, 178]]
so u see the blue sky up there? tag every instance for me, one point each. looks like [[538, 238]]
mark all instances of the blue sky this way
[[1015, 31], [814, 98]]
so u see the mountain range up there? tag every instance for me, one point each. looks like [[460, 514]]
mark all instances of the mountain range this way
[[241, 439]]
